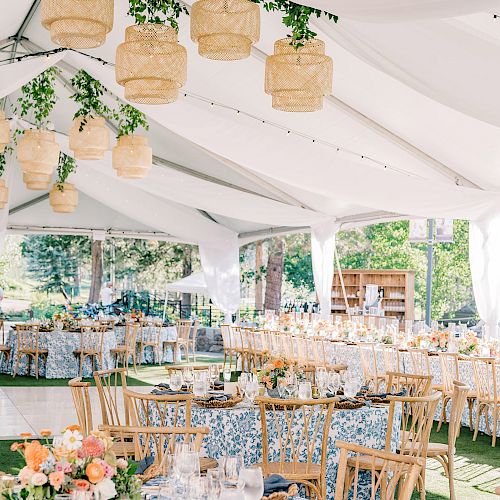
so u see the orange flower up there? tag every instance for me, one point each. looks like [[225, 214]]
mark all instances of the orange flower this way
[[45, 433], [95, 472], [279, 363], [81, 484], [26, 435], [15, 446], [56, 479], [35, 454], [73, 428]]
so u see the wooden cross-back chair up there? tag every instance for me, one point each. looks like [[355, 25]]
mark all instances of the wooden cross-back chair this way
[[488, 395], [110, 386], [302, 428], [392, 475], [186, 337], [368, 358], [28, 336], [162, 410], [415, 385], [91, 347], [123, 353], [149, 336], [392, 361], [4, 348], [445, 453], [419, 359], [229, 347], [81, 400], [158, 442]]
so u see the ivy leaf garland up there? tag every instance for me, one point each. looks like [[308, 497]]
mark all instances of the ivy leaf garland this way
[[66, 166], [296, 17], [157, 11], [39, 96], [130, 119], [3, 158], [88, 95]]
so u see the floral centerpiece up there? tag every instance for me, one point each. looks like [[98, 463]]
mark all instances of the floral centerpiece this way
[[72, 462], [468, 344], [273, 370], [439, 340]]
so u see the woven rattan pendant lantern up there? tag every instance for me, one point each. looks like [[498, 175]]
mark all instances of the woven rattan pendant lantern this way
[[4, 132], [78, 24], [4, 194], [38, 155], [132, 157], [225, 29], [151, 64], [298, 79], [92, 142], [65, 200]]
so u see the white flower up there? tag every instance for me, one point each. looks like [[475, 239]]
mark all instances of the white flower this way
[[72, 440], [105, 489], [38, 479]]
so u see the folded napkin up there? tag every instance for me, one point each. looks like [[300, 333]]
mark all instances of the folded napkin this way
[[167, 392], [275, 483], [384, 395], [143, 465], [215, 397], [218, 384], [167, 387]]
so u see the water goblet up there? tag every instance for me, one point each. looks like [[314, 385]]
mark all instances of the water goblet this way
[[176, 381], [214, 478], [254, 483], [188, 374], [305, 390], [227, 374], [231, 467]]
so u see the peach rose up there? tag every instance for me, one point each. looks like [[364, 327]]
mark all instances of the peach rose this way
[[278, 364], [38, 479], [95, 472], [25, 475], [15, 446], [81, 484], [56, 479], [121, 463], [35, 454]]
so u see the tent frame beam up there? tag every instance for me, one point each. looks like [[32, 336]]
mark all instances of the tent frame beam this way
[[28, 204]]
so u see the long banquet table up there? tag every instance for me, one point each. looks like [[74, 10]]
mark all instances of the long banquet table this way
[[238, 431]]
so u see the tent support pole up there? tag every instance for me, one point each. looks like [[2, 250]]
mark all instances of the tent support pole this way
[[341, 276]]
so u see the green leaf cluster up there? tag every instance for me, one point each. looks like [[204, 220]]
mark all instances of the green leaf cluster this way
[[67, 164], [296, 17], [157, 11], [39, 97], [130, 119]]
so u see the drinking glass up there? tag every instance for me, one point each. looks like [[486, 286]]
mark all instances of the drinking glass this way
[[213, 373], [176, 381], [188, 465], [198, 488], [200, 384], [291, 384], [305, 390], [252, 388], [333, 382], [188, 374], [351, 387], [254, 483], [242, 383], [231, 467], [214, 483], [227, 374]]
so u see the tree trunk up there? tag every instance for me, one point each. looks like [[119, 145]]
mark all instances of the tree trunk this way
[[96, 283], [187, 269], [259, 283], [274, 275]]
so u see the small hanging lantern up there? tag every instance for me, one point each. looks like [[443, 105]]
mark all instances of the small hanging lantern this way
[[38, 155], [298, 78], [78, 24], [132, 157], [225, 29], [4, 194], [4, 132], [63, 198], [151, 64], [92, 142]]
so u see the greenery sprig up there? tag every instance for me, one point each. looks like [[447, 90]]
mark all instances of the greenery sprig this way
[[66, 166], [296, 17], [39, 96], [3, 158], [88, 94], [130, 119], [157, 11]]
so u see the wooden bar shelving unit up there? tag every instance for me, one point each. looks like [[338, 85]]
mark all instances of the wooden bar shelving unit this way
[[398, 284]]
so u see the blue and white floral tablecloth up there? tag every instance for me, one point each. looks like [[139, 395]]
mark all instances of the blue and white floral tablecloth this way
[[238, 431], [61, 362]]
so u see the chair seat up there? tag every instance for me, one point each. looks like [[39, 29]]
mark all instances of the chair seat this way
[[437, 387], [79, 352], [437, 449], [4, 348], [41, 352], [365, 462], [291, 471], [119, 349], [149, 343]]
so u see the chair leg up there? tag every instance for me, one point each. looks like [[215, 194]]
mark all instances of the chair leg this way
[[495, 422], [16, 367], [442, 418], [451, 470], [470, 404], [36, 367], [478, 416]]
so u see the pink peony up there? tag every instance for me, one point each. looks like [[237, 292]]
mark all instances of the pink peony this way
[[63, 467], [56, 479], [121, 463], [91, 447], [25, 475], [109, 471], [38, 479]]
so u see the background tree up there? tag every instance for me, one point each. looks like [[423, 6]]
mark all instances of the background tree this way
[[96, 272], [274, 275]]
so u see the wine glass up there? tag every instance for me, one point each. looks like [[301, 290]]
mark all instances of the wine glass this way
[[252, 388], [351, 387], [254, 483], [176, 381], [188, 374], [333, 382], [242, 383], [291, 384], [227, 374], [305, 390]]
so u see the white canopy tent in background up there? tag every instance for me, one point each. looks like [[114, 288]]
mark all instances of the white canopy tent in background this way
[[194, 283], [411, 130]]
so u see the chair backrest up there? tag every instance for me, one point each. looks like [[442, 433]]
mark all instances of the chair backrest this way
[[2, 328], [417, 417], [392, 475], [27, 337], [91, 341], [183, 329], [458, 400], [415, 385], [485, 379], [154, 441], [81, 400], [110, 385], [194, 330], [130, 339], [391, 358], [310, 421], [449, 369], [152, 409], [420, 361], [368, 358], [227, 340]]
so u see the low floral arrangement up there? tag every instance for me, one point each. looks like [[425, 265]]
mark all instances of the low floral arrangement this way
[[469, 344], [321, 326], [72, 462], [439, 340], [273, 370], [286, 322]]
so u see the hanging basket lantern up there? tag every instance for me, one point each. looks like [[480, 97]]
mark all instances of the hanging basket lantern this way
[[151, 64], [132, 157], [65, 200], [298, 79], [38, 155], [225, 29], [78, 24], [4, 132], [4, 194], [92, 142]]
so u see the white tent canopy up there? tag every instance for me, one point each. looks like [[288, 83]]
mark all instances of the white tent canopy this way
[[194, 283], [411, 130]]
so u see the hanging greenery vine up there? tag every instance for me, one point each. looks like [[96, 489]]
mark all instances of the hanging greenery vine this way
[[88, 94], [3, 158], [39, 97], [66, 166], [130, 119], [157, 11], [296, 17]]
